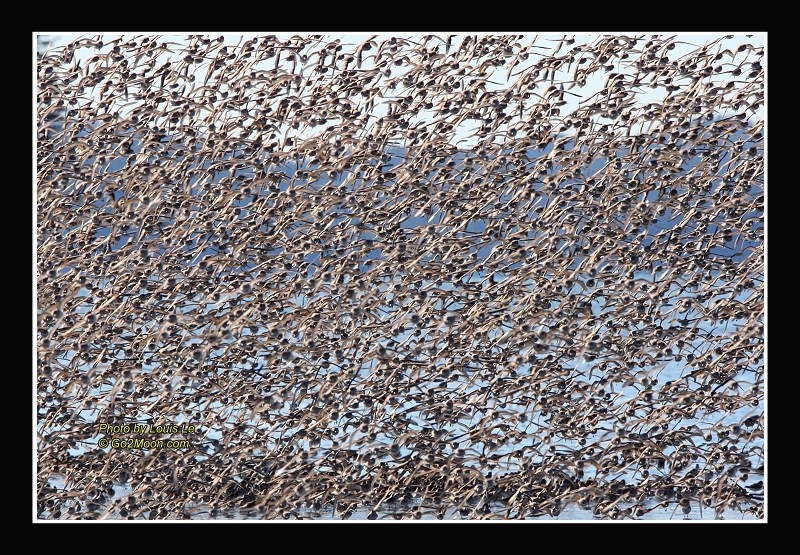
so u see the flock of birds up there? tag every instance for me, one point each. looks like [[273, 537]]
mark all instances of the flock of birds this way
[[478, 277]]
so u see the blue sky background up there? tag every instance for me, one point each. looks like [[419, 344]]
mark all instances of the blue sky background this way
[[483, 249]]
